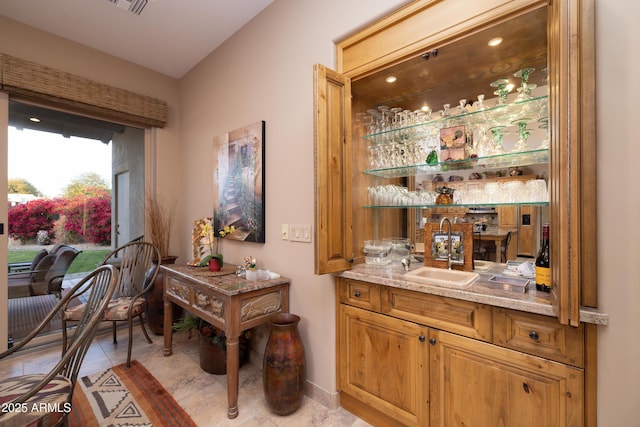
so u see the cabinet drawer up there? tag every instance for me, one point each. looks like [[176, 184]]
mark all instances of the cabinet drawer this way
[[460, 317], [359, 294], [539, 335]]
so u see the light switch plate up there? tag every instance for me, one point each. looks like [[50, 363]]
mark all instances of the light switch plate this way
[[300, 233], [285, 232]]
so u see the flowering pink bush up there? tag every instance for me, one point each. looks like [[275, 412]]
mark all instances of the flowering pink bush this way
[[25, 220], [86, 219], [89, 218]]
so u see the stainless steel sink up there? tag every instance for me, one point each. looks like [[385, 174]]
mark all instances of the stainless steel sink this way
[[442, 276]]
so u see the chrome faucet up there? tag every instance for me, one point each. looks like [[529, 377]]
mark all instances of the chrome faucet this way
[[442, 221]]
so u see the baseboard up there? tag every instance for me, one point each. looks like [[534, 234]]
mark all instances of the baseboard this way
[[311, 390]]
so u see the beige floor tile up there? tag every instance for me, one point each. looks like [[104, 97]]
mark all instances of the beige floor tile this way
[[202, 395]]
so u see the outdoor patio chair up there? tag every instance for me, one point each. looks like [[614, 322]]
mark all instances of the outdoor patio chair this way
[[46, 277], [137, 268], [51, 393]]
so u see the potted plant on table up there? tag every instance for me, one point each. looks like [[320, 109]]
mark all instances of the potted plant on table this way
[[215, 259], [213, 344]]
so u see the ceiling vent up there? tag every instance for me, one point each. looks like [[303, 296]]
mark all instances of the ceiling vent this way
[[134, 6]]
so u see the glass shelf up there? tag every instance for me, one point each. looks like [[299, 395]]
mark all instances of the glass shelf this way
[[490, 116], [514, 159], [484, 205]]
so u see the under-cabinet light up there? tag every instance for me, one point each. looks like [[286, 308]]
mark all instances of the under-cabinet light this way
[[391, 79], [34, 119], [494, 41]]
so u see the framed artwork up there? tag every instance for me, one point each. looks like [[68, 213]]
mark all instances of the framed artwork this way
[[452, 142], [238, 182]]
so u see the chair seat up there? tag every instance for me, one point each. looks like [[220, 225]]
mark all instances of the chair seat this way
[[45, 408], [116, 310]]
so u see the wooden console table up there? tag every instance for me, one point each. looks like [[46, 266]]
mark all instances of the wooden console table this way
[[228, 302]]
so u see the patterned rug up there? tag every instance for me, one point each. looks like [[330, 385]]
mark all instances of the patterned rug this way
[[125, 397]]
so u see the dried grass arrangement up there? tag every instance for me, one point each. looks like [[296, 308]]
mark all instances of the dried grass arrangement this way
[[159, 217]]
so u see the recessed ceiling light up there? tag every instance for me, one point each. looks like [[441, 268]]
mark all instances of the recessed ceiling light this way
[[34, 119], [391, 79], [494, 41]]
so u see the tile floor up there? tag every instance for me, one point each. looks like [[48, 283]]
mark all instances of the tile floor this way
[[202, 395]]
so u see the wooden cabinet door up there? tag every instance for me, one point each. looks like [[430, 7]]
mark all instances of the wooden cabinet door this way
[[479, 384], [383, 368], [508, 216], [332, 121]]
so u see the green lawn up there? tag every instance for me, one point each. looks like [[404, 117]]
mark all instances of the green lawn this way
[[87, 260]]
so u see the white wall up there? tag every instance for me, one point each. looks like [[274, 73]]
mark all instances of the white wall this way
[[264, 72], [617, 91]]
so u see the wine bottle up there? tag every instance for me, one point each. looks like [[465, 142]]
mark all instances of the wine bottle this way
[[543, 272]]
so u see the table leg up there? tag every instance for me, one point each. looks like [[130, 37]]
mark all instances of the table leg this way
[[233, 366], [498, 251], [168, 332]]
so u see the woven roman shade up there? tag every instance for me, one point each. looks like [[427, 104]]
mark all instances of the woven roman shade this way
[[48, 86]]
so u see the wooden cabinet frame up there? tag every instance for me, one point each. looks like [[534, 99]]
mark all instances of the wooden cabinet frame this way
[[341, 222]]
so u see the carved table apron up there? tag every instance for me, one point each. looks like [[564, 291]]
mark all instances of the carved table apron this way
[[228, 302]]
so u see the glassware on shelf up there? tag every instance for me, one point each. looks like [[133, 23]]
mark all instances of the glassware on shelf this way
[[445, 112], [525, 89], [479, 104], [498, 133], [396, 117], [502, 90], [523, 134], [483, 145], [544, 124], [385, 118], [462, 106]]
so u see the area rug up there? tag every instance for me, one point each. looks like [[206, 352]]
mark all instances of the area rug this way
[[125, 397]]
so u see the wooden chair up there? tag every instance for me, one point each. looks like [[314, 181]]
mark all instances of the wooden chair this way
[[136, 272], [505, 248], [55, 389]]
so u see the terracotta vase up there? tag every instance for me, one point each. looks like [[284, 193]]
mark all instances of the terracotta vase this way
[[284, 365], [155, 302], [213, 359]]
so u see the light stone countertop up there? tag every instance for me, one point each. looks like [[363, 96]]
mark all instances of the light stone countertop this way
[[531, 301]]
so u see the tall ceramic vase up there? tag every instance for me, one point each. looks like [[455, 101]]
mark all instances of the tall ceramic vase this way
[[284, 365]]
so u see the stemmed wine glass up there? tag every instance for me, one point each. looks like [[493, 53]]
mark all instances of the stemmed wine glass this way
[[525, 89], [483, 146], [523, 134], [502, 90], [544, 124], [498, 133]]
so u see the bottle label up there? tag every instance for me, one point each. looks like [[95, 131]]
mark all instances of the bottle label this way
[[543, 276]]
